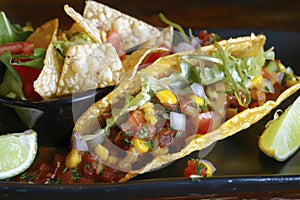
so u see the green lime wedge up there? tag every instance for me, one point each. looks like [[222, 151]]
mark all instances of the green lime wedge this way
[[281, 138], [17, 153]]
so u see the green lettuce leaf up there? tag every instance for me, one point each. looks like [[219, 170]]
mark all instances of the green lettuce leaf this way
[[36, 59], [12, 32], [11, 83], [76, 39]]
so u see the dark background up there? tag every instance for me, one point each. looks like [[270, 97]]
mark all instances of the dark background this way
[[209, 14]]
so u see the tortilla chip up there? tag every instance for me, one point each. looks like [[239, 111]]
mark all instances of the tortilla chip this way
[[164, 39], [75, 28], [106, 19], [241, 46], [132, 62], [88, 67], [43, 35], [89, 28], [46, 83]]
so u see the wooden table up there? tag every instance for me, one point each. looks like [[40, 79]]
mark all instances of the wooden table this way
[[267, 14]]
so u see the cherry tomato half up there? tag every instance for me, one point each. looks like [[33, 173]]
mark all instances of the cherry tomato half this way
[[25, 48], [28, 76], [115, 39], [151, 58], [190, 169]]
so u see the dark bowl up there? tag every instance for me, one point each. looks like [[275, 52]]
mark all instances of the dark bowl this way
[[53, 120]]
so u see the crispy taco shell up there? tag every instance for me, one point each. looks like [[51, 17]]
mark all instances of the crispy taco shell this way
[[252, 45]]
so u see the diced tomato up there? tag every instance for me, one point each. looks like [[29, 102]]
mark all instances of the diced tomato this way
[[166, 137], [264, 73], [203, 122], [136, 120], [258, 98], [115, 39], [28, 76], [149, 59], [88, 165], [190, 169], [154, 56], [109, 175], [25, 48], [67, 177], [207, 38]]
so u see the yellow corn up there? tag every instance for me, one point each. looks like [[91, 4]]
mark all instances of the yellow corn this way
[[101, 151], [208, 170], [197, 100], [72, 159], [150, 118], [290, 81], [140, 145], [166, 97], [147, 105], [149, 113], [282, 68], [258, 82]]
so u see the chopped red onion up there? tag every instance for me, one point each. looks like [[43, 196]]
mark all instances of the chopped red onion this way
[[279, 77], [183, 46], [177, 121], [198, 90], [196, 42], [269, 86], [79, 143], [213, 168]]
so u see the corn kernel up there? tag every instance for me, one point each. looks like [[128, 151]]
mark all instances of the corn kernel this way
[[197, 100], [72, 159], [149, 112], [166, 97], [149, 116], [258, 82], [101, 151], [290, 81], [209, 171], [140, 145], [147, 105], [282, 68]]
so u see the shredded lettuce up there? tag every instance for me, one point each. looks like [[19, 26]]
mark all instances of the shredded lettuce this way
[[150, 86], [76, 39], [12, 32], [36, 60], [177, 26], [236, 72]]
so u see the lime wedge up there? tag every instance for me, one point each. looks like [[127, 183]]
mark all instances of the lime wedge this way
[[281, 139], [17, 153]]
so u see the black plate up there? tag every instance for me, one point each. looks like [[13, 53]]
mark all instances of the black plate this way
[[241, 167]]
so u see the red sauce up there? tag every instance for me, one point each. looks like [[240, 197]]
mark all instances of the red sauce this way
[[49, 168]]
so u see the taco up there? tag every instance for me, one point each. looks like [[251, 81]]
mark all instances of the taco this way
[[181, 103]]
